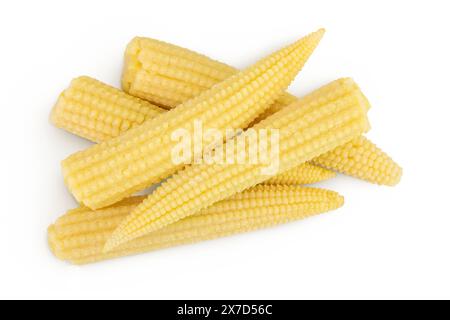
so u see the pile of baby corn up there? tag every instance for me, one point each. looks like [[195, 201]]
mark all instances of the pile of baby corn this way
[[165, 88]]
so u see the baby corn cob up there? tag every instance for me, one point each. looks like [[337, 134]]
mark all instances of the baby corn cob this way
[[362, 159], [79, 235], [169, 75], [305, 173], [318, 123], [110, 171], [98, 112]]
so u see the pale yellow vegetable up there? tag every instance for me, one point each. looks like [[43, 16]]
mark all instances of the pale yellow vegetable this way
[[98, 112], [362, 159], [327, 118], [169, 75], [110, 171], [305, 173], [79, 235]]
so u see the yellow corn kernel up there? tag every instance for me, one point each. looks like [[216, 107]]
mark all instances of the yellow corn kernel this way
[[169, 75], [318, 123], [96, 111], [113, 170], [305, 173], [79, 235], [362, 159]]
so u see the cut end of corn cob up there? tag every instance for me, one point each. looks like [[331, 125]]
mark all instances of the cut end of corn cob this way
[[98, 112], [362, 159], [115, 169], [168, 75], [132, 64], [80, 235], [327, 118]]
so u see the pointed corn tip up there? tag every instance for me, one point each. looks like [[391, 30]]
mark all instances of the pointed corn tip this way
[[318, 34], [397, 178], [312, 39], [340, 201], [315, 36], [335, 198], [321, 31]]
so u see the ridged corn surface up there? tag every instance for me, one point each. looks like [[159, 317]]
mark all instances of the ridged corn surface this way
[[362, 159], [318, 123], [80, 235], [169, 75], [305, 173], [110, 171], [98, 112]]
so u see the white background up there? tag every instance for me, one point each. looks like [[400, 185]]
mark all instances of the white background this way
[[384, 243]]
